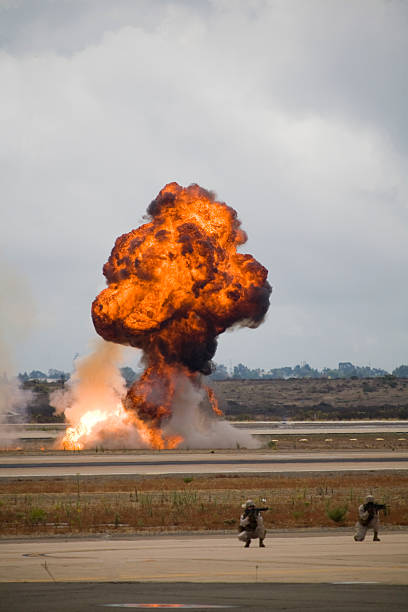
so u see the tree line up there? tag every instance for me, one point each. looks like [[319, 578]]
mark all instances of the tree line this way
[[345, 369]]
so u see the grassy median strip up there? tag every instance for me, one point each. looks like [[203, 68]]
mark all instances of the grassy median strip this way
[[162, 504]]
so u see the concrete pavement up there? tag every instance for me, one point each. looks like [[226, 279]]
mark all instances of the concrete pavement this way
[[173, 462], [317, 558]]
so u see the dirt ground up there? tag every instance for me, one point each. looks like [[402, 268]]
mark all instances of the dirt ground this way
[[304, 399]]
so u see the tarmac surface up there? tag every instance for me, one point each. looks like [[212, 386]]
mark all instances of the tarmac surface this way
[[322, 427], [50, 431], [88, 597], [315, 571], [170, 462]]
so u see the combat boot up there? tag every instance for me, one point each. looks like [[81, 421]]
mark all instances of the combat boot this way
[[247, 543], [261, 544]]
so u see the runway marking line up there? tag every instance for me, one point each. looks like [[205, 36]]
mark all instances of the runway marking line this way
[[163, 605], [354, 582]]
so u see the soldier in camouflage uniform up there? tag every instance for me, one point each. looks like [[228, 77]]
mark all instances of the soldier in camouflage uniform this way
[[368, 519], [251, 524]]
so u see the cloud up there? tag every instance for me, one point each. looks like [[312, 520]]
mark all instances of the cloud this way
[[292, 112]]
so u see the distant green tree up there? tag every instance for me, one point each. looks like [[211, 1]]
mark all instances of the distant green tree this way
[[57, 374], [37, 374], [305, 371], [278, 373], [241, 371], [348, 370], [330, 373], [401, 371], [220, 372]]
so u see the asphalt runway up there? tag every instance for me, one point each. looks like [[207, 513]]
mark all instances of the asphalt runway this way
[[88, 597], [47, 431], [324, 571], [169, 462], [322, 427]]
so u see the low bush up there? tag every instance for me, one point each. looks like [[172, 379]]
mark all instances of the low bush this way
[[337, 513]]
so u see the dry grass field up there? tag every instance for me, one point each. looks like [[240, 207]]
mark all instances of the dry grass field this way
[[80, 505], [305, 399]]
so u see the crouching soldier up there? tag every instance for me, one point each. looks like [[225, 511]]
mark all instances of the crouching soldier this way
[[251, 524], [368, 519]]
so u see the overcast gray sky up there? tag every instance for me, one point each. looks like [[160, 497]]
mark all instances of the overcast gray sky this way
[[294, 112]]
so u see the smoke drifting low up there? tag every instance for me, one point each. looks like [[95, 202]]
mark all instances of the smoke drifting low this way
[[197, 426], [13, 402], [92, 401], [15, 318], [92, 397]]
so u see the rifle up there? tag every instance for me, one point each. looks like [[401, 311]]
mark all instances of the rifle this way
[[252, 513], [256, 510], [372, 508]]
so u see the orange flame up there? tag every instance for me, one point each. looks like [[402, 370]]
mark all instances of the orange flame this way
[[82, 435], [75, 437], [174, 285], [213, 401]]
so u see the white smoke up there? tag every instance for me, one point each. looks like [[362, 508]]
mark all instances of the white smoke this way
[[16, 315], [93, 397], [96, 382], [13, 402], [199, 427], [92, 403]]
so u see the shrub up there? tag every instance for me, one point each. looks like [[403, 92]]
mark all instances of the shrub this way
[[337, 514], [36, 516]]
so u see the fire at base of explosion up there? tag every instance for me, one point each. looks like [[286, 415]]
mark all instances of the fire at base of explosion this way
[[97, 505], [271, 442]]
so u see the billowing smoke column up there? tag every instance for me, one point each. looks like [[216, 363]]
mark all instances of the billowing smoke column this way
[[174, 285]]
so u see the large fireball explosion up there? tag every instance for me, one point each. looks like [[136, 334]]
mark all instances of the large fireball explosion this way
[[174, 285]]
